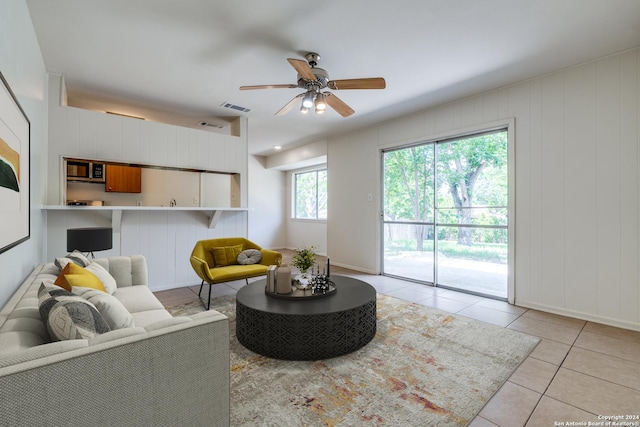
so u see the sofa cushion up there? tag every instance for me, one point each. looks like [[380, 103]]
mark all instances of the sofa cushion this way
[[75, 257], [116, 335], [27, 325], [149, 317], [69, 316], [166, 323], [226, 255], [126, 270], [249, 256], [114, 313], [15, 341], [137, 299], [234, 272], [74, 275]]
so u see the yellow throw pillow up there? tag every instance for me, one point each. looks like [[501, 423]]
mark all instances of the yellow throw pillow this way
[[226, 255], [74, 275]]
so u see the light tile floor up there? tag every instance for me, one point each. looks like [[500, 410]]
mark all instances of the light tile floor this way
[[579, 371]]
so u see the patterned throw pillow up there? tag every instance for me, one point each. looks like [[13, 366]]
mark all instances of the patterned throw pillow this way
[[74, 275], [68, 316], [75, 257], [249, 256], [226, 255], [48, 289]]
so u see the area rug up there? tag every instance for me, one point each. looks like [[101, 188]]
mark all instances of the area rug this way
[[424, 367]]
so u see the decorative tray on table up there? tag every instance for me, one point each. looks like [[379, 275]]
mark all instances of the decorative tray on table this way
[[317, 287]]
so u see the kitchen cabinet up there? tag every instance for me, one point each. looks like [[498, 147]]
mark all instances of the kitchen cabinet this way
[[123, 179]]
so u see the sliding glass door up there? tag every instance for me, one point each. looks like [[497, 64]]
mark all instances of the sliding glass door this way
[[409, 209], [445, 209]]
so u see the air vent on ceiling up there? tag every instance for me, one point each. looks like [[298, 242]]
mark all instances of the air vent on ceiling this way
[[235, 107], [212, 125]]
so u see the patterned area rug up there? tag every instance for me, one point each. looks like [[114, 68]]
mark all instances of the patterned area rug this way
[[424, 367]]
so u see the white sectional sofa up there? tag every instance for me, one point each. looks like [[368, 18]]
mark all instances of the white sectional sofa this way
[[163, 371]]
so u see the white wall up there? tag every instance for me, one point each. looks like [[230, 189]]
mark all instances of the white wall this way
[[311, 154], [166, 238], [160, 187], [577, 247], [352, 224], [267, 225], [215, 190], [22, 66]]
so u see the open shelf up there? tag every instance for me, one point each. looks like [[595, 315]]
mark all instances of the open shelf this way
[[212, 213]]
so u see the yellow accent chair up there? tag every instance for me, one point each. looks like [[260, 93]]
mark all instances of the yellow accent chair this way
[[224, 251]]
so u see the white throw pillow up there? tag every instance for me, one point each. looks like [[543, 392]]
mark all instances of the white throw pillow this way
[[249, 256], [103, 275], [112, 310]]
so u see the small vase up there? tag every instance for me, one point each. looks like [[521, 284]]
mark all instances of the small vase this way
[[303, 279], [283, 280]]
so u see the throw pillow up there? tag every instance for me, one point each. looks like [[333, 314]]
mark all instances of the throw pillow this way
[[49, 289], [226, 255], [74, 275], [114, 313], [103, 275], [75, 257], [68, 316], [249, 256]]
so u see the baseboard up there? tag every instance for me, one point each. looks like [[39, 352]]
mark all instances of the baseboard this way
[[350, 267], [294, 249], [168, 286], [353, 267], [579, 315]]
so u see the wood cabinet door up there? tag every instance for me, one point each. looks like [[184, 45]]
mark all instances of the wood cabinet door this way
[[123, 179]]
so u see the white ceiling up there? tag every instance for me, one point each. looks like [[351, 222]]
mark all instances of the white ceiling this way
[[171, 60]]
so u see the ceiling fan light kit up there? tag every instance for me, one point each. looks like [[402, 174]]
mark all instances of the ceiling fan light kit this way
[[308, 99], [321, 106], [313, 79]]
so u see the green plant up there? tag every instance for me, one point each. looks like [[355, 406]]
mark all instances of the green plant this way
[[304, 258], [485, 252]]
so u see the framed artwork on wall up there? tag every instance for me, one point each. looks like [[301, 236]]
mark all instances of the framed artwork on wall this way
[[15, 187]]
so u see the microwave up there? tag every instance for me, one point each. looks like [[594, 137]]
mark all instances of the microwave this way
[[84, 171]]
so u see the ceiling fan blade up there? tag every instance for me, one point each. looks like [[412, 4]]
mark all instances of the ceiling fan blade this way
[[366, 83], [302, 68], [284, 110], [285, 86], [336, 103]]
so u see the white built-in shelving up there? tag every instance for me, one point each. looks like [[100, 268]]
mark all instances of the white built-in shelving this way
[[212, 213]]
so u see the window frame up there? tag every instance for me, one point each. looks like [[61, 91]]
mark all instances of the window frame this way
[[294, 192]]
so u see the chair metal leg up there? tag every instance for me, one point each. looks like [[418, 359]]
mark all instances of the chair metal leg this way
[[201, 285], [208, 304]]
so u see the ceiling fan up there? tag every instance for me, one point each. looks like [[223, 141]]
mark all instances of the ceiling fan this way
[[313, 79]]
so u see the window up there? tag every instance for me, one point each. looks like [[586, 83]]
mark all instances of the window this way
[[446, 208], [310, 194]]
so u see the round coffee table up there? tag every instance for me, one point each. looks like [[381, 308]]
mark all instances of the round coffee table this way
[[301, 329]]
